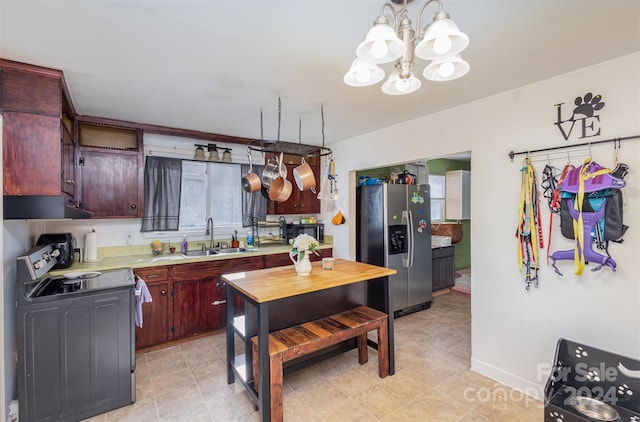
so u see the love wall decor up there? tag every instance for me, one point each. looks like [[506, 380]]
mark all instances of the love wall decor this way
[[584, 113]]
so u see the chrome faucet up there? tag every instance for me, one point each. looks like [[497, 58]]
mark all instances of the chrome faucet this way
[[209, 231]]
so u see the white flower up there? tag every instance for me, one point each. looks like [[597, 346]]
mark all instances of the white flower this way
[[302, 244]]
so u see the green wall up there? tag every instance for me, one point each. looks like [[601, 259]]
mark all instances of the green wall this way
[[463, 248], [438, 167]]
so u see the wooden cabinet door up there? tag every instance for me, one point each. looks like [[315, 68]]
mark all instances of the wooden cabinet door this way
[[110, 183], [443, 268], [156, 326], [68, 163], [277, 260], [448, 272], [324, 253], [31, 154], [300, 202], [197, 307]]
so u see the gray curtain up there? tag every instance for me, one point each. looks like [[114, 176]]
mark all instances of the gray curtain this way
[[254, 204], [162, 181]]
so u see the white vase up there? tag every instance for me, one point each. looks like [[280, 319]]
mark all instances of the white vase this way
[[303, 266]]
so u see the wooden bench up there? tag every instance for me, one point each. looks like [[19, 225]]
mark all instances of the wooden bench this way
[[299, 340]]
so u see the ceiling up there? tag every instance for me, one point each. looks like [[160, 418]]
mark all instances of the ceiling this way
[[212, 65]]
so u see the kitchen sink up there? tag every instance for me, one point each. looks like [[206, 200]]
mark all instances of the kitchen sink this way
[[215, 251], [198, 253], [221, 251]]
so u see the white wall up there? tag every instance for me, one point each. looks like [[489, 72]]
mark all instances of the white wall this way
[[514, 330]]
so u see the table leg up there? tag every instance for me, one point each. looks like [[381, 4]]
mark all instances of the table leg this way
[[389, 305], [230, 336], [264, 395]]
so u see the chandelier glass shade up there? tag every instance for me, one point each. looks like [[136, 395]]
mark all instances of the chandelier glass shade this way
[[397, 85], [363, 74], [439, 41], [446, 69], [381, 44]]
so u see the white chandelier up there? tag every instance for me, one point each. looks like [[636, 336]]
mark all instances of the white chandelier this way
[[440, 41]]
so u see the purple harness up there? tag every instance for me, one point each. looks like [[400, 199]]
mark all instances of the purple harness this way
[[571, 184]]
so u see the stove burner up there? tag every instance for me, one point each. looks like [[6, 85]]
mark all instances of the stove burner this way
[[69, 277]]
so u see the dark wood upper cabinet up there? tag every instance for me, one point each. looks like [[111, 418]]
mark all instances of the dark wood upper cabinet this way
[[111, 163], [38, 136], [300, 202], [31, 154], [30, 89]]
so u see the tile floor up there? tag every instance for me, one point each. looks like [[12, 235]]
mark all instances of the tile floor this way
[[187, 382]]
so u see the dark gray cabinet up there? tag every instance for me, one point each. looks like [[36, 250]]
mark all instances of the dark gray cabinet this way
[[443, 268], [75, 357]]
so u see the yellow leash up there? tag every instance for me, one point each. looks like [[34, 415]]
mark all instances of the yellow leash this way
[[529, 225]]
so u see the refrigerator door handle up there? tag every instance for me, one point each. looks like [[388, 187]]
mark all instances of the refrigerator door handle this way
[[410, 236], [407, 220]]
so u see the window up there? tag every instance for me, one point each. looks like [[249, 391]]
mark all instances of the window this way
[[210, 189], [438, 195]]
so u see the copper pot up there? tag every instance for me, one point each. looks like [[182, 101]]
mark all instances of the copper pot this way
[[280, 188], [251, 182], [304, 177]]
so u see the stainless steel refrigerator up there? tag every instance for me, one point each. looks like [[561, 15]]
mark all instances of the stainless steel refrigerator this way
[[393, 230]]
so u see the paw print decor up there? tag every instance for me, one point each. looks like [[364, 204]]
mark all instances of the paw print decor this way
[[588, 104], [593, 375], [624, 389], [558, 417], [581, 353]]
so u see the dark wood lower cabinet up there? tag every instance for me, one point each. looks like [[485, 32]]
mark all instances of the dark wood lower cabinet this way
[[188, 299], [196, 308], [156, 328]]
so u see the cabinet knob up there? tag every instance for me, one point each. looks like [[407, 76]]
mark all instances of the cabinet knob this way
[[218, 302], [163, 293], [295, 205], [70, 181], [218, 284], [134, 206]]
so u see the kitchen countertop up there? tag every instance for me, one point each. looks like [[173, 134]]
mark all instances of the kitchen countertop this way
[[150, 260], [270, 284]]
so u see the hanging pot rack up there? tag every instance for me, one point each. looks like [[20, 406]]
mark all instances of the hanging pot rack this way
[[291, 148], [617, 141]]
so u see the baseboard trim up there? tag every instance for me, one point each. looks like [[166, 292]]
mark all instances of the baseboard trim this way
[[460, 291], [533, 390]]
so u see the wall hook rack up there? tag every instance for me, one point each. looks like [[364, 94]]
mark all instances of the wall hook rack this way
[[616, 141]]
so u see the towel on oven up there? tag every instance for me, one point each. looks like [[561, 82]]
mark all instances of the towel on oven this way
[[142, 296]]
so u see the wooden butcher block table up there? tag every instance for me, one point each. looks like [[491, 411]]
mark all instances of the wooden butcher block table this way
[[276, 298]]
